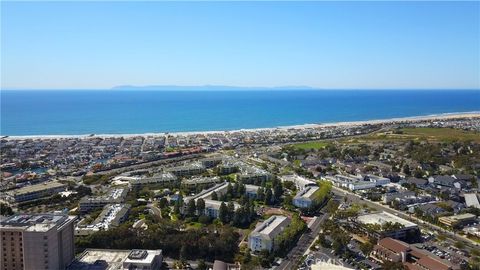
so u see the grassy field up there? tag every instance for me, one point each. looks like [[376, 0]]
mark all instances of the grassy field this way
[[310, 145], [431, 134]]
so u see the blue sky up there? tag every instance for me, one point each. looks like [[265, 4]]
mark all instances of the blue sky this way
[[60, 45]]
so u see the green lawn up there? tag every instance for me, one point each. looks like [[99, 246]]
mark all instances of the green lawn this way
[[194, 225], [442, 133], [311, 145], [431, 134]]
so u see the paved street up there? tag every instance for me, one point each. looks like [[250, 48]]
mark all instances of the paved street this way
[[303, 244]]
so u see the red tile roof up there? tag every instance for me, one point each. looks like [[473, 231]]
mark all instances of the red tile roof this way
[[394, 245], [432, 264]]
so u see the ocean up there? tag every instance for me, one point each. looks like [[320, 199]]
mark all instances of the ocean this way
[[78, 112]]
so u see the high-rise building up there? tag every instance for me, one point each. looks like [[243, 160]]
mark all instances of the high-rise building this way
[[36, 241]]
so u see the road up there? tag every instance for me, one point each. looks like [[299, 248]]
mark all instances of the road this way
[[303, 244], [156, 211], [356, 198]]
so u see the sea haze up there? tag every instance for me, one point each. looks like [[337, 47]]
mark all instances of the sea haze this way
[[53, 112]]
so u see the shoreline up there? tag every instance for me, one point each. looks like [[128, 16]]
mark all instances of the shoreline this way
[[440, 116]]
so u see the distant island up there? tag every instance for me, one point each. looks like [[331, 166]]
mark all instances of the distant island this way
[[209, 87]]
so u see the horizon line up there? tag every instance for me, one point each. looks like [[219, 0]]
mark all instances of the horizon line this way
[[233, 88]]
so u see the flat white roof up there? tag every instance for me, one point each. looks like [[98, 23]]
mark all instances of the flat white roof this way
[[307, 193], [471, 199], [114, 259], [384, 217], [269, 225]]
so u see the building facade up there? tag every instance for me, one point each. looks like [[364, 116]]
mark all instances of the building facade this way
[[35, 192], [306, 197], [263, 237], [37, 241]]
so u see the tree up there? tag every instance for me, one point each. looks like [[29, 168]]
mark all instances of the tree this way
[[183, 252], [223, 213], [214, 196], [202, 265], [247, 258], [268, 196], [332, 206], [288, 238], [191, 208], [459, 245], [235, 193], [418, 173], [204, 219], [290, 185], [277, 191], [176, 207], [366, 248], [231, 210], [230, 191], [5, 210], [163, 202], [200, 206], [241, 189], [260, 194]]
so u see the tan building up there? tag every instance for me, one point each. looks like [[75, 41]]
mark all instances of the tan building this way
[[35, 192], [458, 220], [36, 242]]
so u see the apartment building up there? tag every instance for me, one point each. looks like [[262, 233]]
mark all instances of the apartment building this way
[[187, 170], [112, 215], [251, 174], [300, 182], [92, 203], [212, 207], [37, 241], [305, 197], [251, 191], [156, 179], [263, 236], [35, 192]]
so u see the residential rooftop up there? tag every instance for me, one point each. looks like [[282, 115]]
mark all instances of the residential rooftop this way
[[35, 222], [270, 226], [307, 192], [36, 188]]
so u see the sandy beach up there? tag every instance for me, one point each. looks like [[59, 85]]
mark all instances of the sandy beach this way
[[433, 117]]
